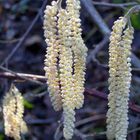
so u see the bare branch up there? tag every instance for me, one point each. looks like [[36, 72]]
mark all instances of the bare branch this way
[[103, 96], [30, 77], [27, 77], [95, 16], [119, 5]]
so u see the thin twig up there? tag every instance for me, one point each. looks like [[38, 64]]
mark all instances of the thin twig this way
[[40, 121], [25, 35], [104, 28], [58, 134], [98, 47], [27, 77], [95, 16], [14, 76], [132, 10], [9, 41], [91, 92], [90, 119], [103, 96], [118, 5], [134, 130]]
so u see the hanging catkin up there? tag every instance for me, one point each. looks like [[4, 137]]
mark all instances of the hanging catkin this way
[[66, 78], [51, 61], [65, 60], [123, 85], [13, 110], [79, 50], [119, 80]]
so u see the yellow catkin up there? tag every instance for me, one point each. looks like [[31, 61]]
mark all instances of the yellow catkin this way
[[79, 50], [65, 60], [66, 77], [123, 85], [115, 40], [13, 113], [51, 61], [119, 80]]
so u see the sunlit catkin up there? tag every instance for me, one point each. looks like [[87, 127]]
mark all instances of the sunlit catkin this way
[[51, 61], [13, 110], [119, 80], [79, 50], [66, 77], [123, 84], [65, 60], [115, 40]]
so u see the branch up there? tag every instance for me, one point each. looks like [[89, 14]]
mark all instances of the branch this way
[[19, 76], [105, 29], [38, 78], [27, 77], [91, 92], [95, 16], [134, 9], [119, 5], [103, 96], [90, 119]]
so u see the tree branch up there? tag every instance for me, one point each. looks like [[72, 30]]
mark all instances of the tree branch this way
[[119, 5], [95, 16], [103, 96], [38, 78]]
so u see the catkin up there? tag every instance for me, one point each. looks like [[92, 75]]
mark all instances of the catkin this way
[[79, 50], [51, 61], [119, 80], [13, 110], [123, 85], [65, 60], [66, 78], [115, 39]]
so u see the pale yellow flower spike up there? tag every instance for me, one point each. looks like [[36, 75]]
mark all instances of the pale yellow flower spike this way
[[13, 113], [51, 66], [79, 50], [123, 84], [114, 46], [66, 78], [65, 60], [119, 80]]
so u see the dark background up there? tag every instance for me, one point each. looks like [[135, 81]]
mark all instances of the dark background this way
[[21, 34]]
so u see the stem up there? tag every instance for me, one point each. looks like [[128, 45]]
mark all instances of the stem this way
[[59, 2], [132, 10]]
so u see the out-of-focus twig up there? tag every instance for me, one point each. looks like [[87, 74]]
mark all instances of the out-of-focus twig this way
[[89, 7], [98, 47], [21, 75], [118, 5], [135, 60], [40, 121], [134, 130], [58, 134], [134, 9], [91, 92], [25, 35], [103, 96], [95, 16], [90, 119], [27, 77], [9, 41]]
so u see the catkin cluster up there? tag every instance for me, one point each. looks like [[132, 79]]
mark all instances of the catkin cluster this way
[[65, 60], [119, 80], [13, 110], [52, 53]]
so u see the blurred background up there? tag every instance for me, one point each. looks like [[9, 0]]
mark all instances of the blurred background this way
[[22, 50]]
